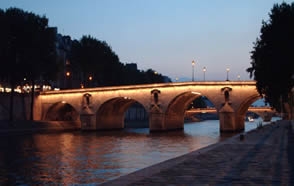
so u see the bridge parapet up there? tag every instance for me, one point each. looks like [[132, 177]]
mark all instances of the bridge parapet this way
[[266, 113]]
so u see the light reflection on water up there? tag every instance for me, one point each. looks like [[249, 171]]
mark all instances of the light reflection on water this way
[[93, 157]]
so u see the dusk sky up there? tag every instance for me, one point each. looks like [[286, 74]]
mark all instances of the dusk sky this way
[[164, 35]]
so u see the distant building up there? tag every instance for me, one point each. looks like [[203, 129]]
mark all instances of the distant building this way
[[63, 47], [68, 77]]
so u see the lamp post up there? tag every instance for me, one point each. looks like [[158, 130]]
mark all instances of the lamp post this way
[[204, 70], [90, 80], [67, 83], [228, 70], [193, 64]]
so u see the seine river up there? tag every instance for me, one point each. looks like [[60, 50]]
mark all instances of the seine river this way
[[90, 158]]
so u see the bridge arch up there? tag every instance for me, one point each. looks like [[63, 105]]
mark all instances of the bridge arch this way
[[111, 113], [243, 108], [62, 111], [175, 112]]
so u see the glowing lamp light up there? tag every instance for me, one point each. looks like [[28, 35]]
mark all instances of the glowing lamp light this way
[[197, 93], [228, 70]]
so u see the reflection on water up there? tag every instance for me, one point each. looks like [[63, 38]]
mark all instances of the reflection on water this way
[[93, 157]]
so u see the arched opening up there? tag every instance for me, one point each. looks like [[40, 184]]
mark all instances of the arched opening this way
[[200, 109], [176, 110], [259, 103], [113, 113], [242, 112], [62, 111], [260, 110], [251, 116], [136, 116]]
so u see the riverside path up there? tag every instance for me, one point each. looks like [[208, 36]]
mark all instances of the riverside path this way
[[265, 156]]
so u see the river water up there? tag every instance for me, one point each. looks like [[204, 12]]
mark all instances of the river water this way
[[90, 158]]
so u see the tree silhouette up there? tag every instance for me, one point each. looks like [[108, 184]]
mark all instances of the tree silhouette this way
[[95, 59], [27, 49], [272, 56]]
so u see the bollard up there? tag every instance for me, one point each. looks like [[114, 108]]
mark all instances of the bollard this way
[[242, 136]]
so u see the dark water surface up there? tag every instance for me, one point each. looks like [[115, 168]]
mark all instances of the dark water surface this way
[[90, 158]]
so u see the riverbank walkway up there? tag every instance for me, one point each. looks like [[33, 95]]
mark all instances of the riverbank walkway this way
[[264, 156]]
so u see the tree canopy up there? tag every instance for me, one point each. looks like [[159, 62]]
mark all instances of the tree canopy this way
[[272, 57], [27, 47], [30, 49], [93, 58]]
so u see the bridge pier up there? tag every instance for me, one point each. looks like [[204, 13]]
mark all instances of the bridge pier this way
[[228, 119], [88, 119], [240, 122], [156, 122], [159, 121]]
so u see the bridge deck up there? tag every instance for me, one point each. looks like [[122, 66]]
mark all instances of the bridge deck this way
[[148, 86]]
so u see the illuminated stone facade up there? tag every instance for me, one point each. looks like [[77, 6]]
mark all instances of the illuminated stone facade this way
[[104, 108]]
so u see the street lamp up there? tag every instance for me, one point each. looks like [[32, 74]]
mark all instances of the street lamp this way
[[228, 74], [67, 79], [90, 81], [193, 64], [239, 77], [67, 74], [204, 70]]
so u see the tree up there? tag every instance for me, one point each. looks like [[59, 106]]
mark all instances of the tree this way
[[272, 58], [94, 58], [152, 76], [27, 49]]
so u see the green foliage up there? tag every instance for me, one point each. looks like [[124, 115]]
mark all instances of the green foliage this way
[[272, 56]]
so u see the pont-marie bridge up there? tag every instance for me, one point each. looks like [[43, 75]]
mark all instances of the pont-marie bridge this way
[[165, 103]]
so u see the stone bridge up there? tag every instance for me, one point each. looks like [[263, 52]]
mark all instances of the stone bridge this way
[[266, 113], [166, 103]]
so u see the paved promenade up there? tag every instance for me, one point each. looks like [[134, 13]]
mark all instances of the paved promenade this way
[[264, 157]]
